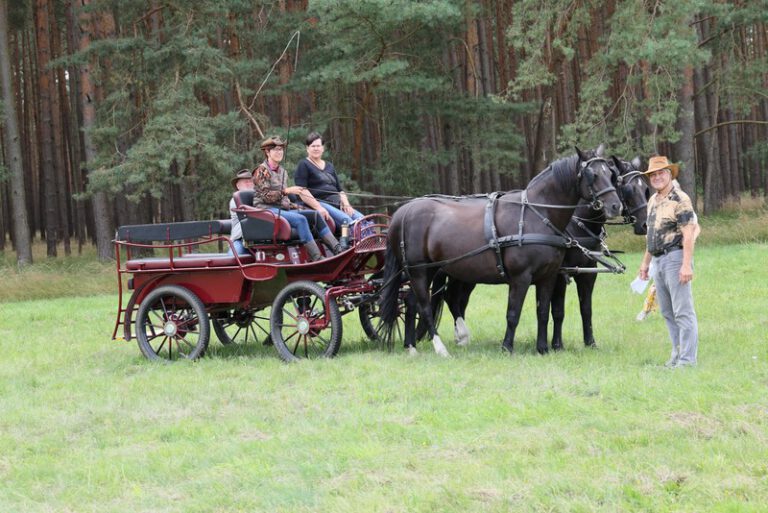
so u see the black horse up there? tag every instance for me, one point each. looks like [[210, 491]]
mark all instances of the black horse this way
[[587, 227], [515, 238]]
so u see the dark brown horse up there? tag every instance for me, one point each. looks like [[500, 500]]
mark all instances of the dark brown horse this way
[[518, 239], [587, 228]]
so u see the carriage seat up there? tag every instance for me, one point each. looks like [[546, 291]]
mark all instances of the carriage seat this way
[[263, 225], [167, 232]]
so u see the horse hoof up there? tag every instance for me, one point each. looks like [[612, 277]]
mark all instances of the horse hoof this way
[[462, 342], [542, 351], [444, 353], [507, 349], [412, 351], [557, 348]]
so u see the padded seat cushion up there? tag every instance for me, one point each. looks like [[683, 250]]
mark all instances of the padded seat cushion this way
[[190, 261]]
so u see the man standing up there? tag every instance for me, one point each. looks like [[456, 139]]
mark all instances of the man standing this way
[[670, 241]]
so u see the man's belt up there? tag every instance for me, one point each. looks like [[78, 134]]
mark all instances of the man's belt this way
[[666, 251]]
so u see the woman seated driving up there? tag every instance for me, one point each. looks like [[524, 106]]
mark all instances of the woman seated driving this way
[[271, 191]]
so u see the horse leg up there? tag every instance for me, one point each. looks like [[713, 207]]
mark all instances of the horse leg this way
[[585, 286], [558, 311], [544, 289], [409, 323], [458, 297], [420, 285], [515, 299]]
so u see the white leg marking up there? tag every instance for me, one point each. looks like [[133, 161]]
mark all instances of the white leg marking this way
[[439, 346], [461, 332], [412, 351]]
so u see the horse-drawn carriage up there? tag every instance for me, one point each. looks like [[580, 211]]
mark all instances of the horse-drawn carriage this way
[[519, 238], [166, 300]]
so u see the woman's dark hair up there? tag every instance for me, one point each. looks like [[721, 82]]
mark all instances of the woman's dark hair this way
[[312, 137]]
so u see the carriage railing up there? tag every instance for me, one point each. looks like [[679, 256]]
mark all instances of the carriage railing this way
[[175, 249], [370, 233]]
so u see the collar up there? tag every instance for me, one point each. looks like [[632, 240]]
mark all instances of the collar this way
[[659, 197]]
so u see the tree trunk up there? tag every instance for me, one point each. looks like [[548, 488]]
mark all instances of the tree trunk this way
[[74, 121], [45, 88], [26, 106], [12, 145], [58, 116], [686, 126], [101, 211], [472, 76]]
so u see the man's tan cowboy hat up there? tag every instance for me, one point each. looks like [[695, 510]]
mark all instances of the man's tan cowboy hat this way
[[243, 173], [659, 163], [272, 142]]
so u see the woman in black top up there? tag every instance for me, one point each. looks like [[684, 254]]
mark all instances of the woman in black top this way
[[319, 176]]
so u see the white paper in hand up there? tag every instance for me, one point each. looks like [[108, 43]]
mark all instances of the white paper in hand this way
[[638, 286]]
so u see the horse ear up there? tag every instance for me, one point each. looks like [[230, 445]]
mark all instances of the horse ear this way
[[599, 151], [636, 163], [581, 155]]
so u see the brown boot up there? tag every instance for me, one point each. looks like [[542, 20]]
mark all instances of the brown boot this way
[[332, 243], [313, 251]]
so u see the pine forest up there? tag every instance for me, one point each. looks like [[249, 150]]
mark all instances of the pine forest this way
[[122, 112]]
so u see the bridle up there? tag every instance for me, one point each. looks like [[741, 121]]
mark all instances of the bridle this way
[[625, 181], [589, 174]]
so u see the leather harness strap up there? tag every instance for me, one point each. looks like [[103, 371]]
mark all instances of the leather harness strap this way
[[499, 243], [491, 235]]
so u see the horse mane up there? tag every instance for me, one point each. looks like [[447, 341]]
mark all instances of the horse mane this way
[[563, 171]]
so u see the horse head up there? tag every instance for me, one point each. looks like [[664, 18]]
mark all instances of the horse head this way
[[597, 182], [634, 193]]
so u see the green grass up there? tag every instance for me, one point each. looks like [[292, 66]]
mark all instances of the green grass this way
[[88, 425]]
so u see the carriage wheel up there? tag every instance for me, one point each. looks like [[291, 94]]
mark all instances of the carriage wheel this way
[[240, 326], [369, 320], [172, 324], [302, 326], [369, 315]]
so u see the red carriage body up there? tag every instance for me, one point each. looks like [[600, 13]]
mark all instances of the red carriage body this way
[[166, 300]]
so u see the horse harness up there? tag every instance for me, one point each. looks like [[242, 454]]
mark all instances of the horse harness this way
[[559, 240]]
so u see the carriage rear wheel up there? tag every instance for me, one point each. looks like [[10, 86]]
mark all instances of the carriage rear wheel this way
[[172, 324], [374, 329], [240, 326], [302, 325], [369, 320]]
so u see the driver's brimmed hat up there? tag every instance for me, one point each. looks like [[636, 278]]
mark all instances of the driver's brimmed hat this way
[[659, 163], [243, 173], [272, 142]]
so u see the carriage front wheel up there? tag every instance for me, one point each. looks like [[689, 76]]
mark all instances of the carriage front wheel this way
[[172, 324], [302, 325]]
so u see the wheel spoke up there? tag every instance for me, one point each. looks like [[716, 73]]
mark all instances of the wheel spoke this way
[[186, 321], [183, 338], [160, 347], [325, 342]]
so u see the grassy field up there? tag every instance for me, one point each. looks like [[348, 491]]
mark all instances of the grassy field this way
[[88, 425]]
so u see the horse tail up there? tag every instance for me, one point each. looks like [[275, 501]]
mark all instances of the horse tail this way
[[389, 297]]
